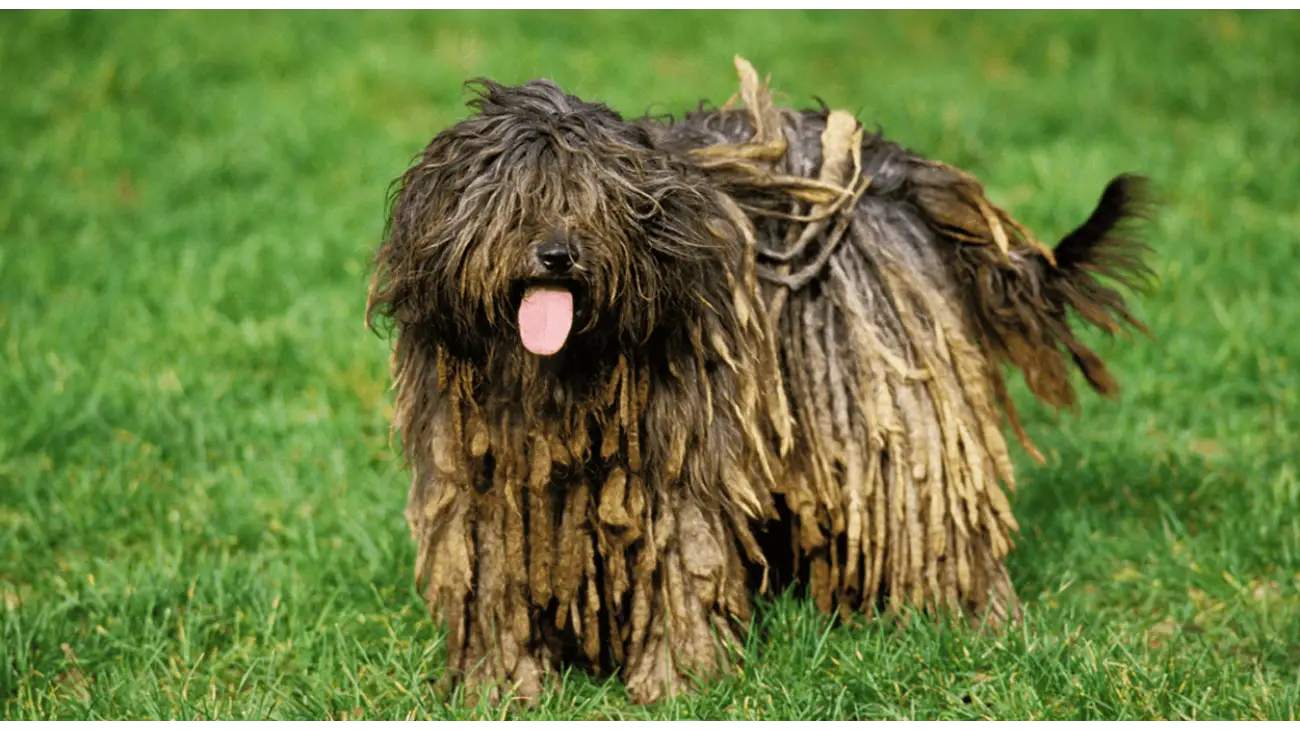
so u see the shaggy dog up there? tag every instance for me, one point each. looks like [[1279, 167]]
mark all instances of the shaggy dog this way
[[646, 370]]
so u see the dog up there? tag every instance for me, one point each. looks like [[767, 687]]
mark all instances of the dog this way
[[646, 370]]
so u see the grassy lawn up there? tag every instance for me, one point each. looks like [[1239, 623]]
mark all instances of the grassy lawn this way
[[200, 512]]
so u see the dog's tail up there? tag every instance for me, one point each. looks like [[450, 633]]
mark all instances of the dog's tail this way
[[1021, 299]]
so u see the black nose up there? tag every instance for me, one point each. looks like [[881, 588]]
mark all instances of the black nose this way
[[555, 256]]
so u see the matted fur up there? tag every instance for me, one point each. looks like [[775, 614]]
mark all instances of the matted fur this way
[[786, 355]]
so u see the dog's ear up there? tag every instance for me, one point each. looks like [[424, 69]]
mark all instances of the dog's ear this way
[[383, 297], [419, 203]]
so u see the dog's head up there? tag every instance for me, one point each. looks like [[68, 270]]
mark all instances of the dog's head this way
[[542, 220]]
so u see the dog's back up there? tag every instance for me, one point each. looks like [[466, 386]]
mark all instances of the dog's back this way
[[894, 312]]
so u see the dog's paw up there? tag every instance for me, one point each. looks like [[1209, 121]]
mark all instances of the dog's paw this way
[[482, 687], [528, 681], [666, 669], [655, 678]]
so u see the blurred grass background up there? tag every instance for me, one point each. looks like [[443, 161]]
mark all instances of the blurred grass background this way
[[200, 514]]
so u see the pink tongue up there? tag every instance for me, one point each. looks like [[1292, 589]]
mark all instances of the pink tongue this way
[[545, 318]]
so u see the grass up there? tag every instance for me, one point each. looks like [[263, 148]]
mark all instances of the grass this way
[[200, 514]]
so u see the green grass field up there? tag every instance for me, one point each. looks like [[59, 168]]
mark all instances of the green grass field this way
[[200, 512]]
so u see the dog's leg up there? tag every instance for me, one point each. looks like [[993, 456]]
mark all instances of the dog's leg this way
[[708, 474], [469, 563], [689, 599]]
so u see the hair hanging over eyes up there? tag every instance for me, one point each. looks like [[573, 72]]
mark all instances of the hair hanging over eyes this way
[[533, 160]]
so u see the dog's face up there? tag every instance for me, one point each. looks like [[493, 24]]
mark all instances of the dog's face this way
[[542, 220]]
